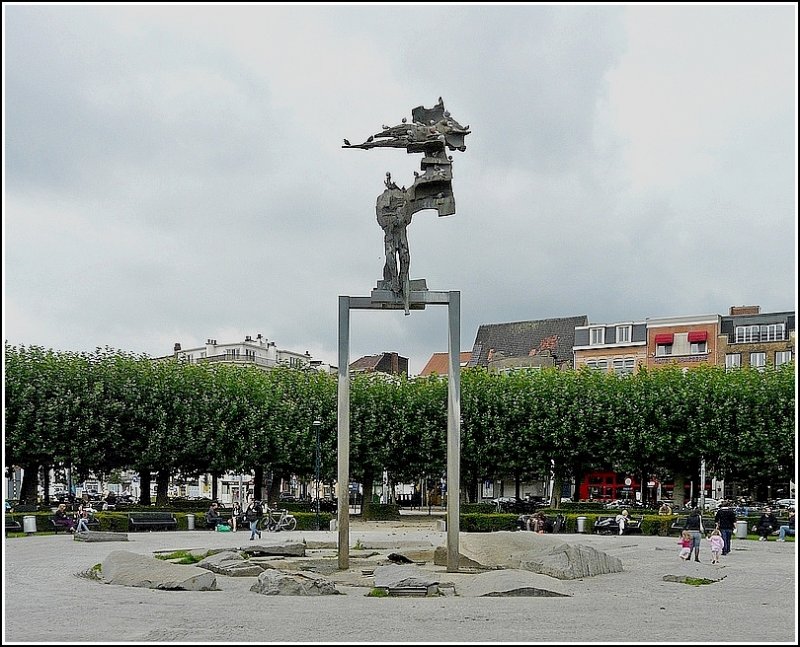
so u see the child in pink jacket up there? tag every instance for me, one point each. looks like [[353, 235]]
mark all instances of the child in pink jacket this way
[[717, 544]]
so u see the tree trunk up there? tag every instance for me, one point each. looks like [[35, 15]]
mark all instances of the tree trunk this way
[[46, 479], [29, 492], [258, 482], [144, 487], [678, 493], [162, 488], [368, 477], [555, 495], [215, 488]]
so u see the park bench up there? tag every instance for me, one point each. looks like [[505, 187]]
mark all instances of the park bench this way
[[551, 525], [93, 524], [12, 525], [607, 525], [679, 525], [151, 521]]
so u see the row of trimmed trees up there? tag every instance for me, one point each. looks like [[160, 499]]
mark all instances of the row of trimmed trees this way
[[108, 410]]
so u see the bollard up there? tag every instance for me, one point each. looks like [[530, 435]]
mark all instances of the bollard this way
[[581, 524], [190, 521], [334, 524]]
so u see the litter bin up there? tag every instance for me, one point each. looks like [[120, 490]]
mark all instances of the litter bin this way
[[581, 524], [741, 529], [190, 521], [29, 524]]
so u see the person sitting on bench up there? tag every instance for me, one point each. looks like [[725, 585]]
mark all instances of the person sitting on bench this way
[[213, 517], [788, 528], [60, 518]]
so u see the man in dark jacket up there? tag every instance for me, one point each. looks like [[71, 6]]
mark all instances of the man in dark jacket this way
[[726, 521], [766, 524]]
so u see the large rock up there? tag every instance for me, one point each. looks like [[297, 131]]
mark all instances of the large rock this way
[[511, 583], [546, 554], [276, 582], [130, 569], [231, 564]]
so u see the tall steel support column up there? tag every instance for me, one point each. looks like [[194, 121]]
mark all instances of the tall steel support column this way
[[453, 428], [383, 301], [343, 439]]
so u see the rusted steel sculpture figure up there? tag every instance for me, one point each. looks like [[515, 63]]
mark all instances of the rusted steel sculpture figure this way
[[431, 132]]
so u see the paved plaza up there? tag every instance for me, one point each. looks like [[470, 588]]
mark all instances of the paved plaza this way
[[45, 599]]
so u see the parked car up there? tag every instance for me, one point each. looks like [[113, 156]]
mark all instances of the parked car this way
[[785, 503]]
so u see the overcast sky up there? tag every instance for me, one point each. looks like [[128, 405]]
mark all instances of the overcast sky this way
[[174, 173]]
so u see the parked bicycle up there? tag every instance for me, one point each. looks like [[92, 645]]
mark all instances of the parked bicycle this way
[[276, 520]]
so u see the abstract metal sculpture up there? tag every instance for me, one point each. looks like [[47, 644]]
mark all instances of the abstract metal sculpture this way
[[431, 132]]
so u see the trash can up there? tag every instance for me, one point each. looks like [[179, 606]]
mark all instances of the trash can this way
[[29, 524], [741, 529], [581, 524], [190, 521]]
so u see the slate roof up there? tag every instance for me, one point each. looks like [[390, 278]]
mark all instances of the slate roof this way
[[437, 364], [527, 338], [382, 363]]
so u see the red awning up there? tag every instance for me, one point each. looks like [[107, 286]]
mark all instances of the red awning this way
[[698, 336], [664, 340]]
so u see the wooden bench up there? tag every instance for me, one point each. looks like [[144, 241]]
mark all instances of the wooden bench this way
[[607, 525], [679, 525], [93, 524], [152, 521], [12, 525]]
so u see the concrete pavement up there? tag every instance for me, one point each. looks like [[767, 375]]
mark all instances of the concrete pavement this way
[[45, 600]]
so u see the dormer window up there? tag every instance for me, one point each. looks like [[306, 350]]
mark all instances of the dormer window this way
[[597, 336]]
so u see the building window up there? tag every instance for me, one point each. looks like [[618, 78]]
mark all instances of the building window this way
[[624, 366], [597, 364], [663, 350], [782, 357], [745, 334], [698, 348], [231, 353], [732, 361], [597, 336], [250, 354], [772, 332], [758, 361], [623, 334]]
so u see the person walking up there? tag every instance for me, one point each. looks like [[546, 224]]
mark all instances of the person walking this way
[[725, 519], [716, 545], [253, 513], [694, 526]]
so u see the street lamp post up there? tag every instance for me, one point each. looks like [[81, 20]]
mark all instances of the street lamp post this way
[[317, 424]]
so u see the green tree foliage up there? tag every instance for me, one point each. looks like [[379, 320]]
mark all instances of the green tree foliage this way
[[110, 410]]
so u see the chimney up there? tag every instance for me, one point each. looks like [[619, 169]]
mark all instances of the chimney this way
[[395, 364], [176, 348], [745, 310]]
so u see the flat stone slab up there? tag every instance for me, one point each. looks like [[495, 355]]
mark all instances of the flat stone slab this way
[[96, 535], [230, 563], [510, 583], [131, 569], [277, 582], [289, 549], [397, 576], [545, 554]]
